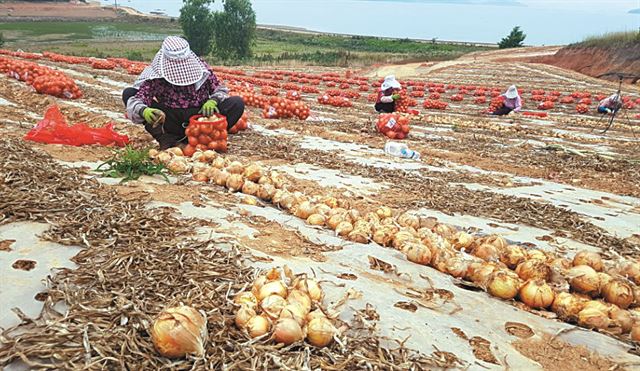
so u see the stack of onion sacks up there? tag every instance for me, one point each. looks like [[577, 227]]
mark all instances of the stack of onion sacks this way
[[283, 308]]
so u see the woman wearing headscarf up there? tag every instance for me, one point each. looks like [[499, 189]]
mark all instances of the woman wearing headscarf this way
[[610, 104], [388, 95], [512, 102], [174, 87]]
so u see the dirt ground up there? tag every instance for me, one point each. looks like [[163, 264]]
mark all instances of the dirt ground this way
[[56, 10]]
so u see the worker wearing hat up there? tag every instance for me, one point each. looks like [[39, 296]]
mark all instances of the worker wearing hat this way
[[512, 102], [610, 104], [174, 87], [388, 95]]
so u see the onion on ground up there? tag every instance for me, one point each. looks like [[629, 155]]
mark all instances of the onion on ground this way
[[503, 285], [537, 294], [592, 259], [258, 326], [179, 331], [584, 279], [320, 332], [287, 331]]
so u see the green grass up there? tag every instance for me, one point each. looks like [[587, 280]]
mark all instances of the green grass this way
[[141, 41], [612, 39]]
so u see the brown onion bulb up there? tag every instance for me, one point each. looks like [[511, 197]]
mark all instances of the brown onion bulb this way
[[537, 294], [593, 318], [462, 240], [253, 172], [272, 288], [244, 314], [503, 285], [235, 182], [533, 270], [457, 266], [384, 212], [332, 202], [359, 235], [266, 192], [589, 258], [401, 238], [584, 279], [481, 274], [250, 188], [258, 326], [311, 287], [622, 319], [408, 220], [235, 168], [498, 241], [273, 305], [219, 163], [295, 311], [179, 331], [344, 228], [334, 221], [320, 332], [287, 331], [513, 255], [301, 297], [631, 270], [618, 292], [536, 254], [567, 306], [444, 230], [417, 253], [304, 210], [560, 264], [486, 252], [316, 219]]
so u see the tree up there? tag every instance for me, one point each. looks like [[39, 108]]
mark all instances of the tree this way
[[235, 29], [1, 39], [513, 40], [196, 20]]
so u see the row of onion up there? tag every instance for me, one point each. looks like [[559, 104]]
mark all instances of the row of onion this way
[[585, 290]]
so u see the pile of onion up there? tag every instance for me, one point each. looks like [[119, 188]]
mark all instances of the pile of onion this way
[[282, 308]]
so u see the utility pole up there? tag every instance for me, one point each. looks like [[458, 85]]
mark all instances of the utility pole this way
[[115, 2]]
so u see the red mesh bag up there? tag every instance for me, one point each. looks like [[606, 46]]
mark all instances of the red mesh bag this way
[[203, 133], [53, 129]]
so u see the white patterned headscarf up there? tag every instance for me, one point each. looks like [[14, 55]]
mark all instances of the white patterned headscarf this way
[[176, 63]]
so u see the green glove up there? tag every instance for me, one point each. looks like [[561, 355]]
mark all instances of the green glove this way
[[153, 116], [395, 96], [209, 108]]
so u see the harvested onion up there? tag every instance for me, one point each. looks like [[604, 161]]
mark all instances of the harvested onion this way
[[567, 306], [408, 220], [316, 219], [344, 228], [593, 318], [176, 151], [457, 266], [295, 311], [533, 269], [258, 326], [384, 235], [487, 252], [272, 288], [359, 235], [584, 279], [589, 258], [300, 297], [235, 182], [221, 178], [250, 188], [246, 298], [311, 287], [622, 319], [253, 172], [304, 210], [266, 191], [513, 255], [462, 240], [245, 313], [384, 212], [537, 294], [219, 163], [320, 332], [503, 285], [235, 168], [334, 221], [287, 331], [618, 292], [417, 253], [631, 270], [273, 305], [179, 331], [635, 332]]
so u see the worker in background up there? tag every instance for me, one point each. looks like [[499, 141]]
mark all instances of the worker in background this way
[[388, 95], [174, 87], [512, 102], [610, 104]]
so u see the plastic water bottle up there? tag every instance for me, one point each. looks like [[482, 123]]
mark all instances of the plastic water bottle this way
[[400, 150]]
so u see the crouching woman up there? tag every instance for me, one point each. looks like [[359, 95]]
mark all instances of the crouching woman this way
[[176, 86]]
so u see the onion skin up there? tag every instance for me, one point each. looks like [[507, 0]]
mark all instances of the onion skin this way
[[311, 287], [533, 269], [300, 297], [537, 294], [536, 254], [296, 311], [567, 306], [631, 270], [273, 305], [235, 182], [591, 259], [246, 298], [334, 221], [253, 173], [593, 318], [236, 168], [503, 285], [462, 240], [618, 292], [287, 331], [457, 267], [561, 264], [344, 228], [498, 241], [584, 279], [316, 219], [320, 332], [258, 326], [408, 220], [179, 331]]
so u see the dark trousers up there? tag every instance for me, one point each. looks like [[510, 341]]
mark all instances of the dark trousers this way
[[177, 119], [385, 107], [502, 111]]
